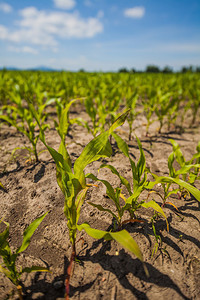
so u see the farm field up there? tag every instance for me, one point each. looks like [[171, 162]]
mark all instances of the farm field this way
[[161, 168]]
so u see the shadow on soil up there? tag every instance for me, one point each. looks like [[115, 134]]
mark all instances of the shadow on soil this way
[[124, 264], [120, 265]]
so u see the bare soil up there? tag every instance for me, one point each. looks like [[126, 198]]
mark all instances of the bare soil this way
[[105, 271]]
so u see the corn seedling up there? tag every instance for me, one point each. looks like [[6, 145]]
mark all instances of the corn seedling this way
[[92, 110], [158, 239], [8, 267], [72, 182], [166, 182], [20, 116], [149, 102], [140, 182], [64, 122], [158, 243], [166, 107], [132, 203], [189, 170], [131, 102], [194, 96]]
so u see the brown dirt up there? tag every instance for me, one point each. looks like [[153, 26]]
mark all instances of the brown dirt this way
[[105, 271]]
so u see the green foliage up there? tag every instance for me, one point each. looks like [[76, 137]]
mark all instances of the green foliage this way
[[25, 98], [132, 203], [189, 170], [167, 181], [122, 237], [107, 94], [20, 116], [72, 181], [9, 267], [64, 122]]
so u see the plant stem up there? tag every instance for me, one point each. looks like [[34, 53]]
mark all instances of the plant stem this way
[[69, 271], [35, 153]]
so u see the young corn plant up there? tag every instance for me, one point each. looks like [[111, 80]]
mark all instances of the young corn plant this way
[[167, 181], [158, 239], [131, 101], [140, 182], [158, 245], [194, 175], [64, 122], [101, 106], [8, 267], [132, 203], [149, 102], [20, 116], [194, 96], [92, 111], [72, 182], [189, 170], [167, 105]]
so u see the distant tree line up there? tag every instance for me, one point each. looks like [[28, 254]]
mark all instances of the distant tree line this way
[[156, 69]]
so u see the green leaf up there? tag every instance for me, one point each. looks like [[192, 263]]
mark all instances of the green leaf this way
[[142, 161], [137, 171], [35, 269], [121, 144], [194, 191], [63, 151], [157, 208], [137, 191], [170, 164], [123, 180], [7, 273], [95, 149], [186, 168], [126, 241], [29, 232], [101, 208], [178, 153], [95, 233], [80, 200], [122, 237], [8, 120], [120, 121], [195, 156], [109, 190], [64, 119], [174, 191]]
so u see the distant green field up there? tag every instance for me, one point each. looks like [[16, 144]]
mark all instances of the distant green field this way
[[105, 95]]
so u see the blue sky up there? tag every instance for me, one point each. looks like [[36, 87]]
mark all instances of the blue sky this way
[[99, 34]]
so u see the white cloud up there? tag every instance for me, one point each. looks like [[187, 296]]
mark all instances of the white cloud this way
[[3, 32], [65, 4], [180, 48], [136, 12], [88, 3], [40, 27], [100, 14], [5, 7], [24, 49]]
